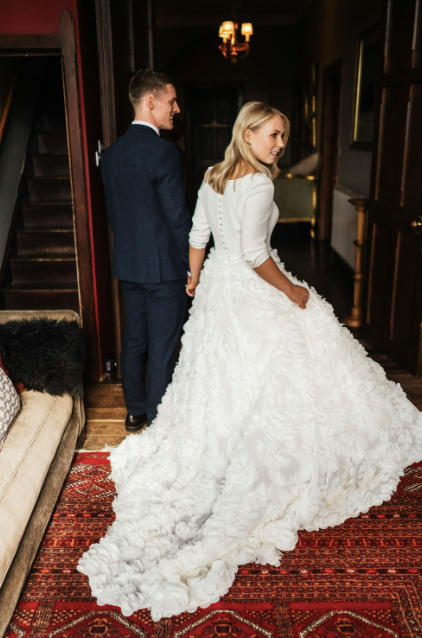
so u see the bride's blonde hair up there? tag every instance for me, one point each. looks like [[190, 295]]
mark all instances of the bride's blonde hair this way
[[251, 116]]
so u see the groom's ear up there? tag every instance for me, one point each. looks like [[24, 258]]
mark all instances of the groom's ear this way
[[149, 101]]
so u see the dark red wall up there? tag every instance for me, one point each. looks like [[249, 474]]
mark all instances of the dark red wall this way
[[36, 16], [40, 17]]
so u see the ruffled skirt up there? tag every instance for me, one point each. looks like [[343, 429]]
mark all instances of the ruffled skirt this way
[[276, 420]]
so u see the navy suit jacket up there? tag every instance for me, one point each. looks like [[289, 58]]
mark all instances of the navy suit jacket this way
[[146, 207]]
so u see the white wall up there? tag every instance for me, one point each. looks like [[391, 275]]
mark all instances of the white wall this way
[[344, 224]]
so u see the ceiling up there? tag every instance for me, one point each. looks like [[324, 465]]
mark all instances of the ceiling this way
[[192, 13]]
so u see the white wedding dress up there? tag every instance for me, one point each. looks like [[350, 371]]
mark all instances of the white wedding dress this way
[[276, 421]]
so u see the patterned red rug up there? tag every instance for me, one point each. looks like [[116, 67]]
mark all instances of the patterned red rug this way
[[360, 580]]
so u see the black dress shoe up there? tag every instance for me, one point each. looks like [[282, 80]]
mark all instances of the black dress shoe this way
[[135, 423]]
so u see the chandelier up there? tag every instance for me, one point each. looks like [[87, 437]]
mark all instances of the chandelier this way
[[231, 48]]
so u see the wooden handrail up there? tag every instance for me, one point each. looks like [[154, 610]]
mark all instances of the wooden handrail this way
[[5, 113]]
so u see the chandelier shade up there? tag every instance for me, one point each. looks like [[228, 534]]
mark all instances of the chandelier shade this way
[[227, 29], [247, 30]]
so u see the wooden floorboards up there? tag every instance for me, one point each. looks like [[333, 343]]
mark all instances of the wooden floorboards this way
[[409, 383], [105, 416], [106, 411]]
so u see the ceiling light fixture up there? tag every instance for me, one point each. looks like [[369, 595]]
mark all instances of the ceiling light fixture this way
[[231, 48]]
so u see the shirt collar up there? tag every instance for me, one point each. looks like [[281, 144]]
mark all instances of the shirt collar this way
[[154, 128]]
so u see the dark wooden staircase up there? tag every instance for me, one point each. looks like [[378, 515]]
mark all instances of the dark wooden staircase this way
[[41, 271]]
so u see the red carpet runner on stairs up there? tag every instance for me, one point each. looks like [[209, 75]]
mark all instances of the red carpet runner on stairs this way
[[360, 580]]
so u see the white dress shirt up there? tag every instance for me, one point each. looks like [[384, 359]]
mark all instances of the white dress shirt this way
[[154, 128]]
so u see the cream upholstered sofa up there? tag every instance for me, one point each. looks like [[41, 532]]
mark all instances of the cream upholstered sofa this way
[[34, 461]]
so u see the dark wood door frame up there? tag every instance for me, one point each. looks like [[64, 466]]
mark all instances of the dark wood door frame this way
[[329, 147], [108, 115], [125, 34], [393, 277], [64, 44]]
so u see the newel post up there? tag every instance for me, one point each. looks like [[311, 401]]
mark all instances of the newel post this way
[[354, 320]]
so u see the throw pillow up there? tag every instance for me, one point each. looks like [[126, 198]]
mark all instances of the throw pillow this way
[[9, 405]]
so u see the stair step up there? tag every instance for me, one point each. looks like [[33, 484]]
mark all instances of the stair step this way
[[52, 142], [39, 287], [53, 189], [47, 215], [51, 165], [44, 242], [54, 297], [43, 271], [52, 257]]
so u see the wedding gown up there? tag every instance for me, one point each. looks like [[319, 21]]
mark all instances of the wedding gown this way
[[276, 421]]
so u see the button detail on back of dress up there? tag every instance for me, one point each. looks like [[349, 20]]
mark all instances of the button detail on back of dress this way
[[220, 219]]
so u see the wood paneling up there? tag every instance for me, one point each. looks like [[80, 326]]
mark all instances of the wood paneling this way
[[30, 41], [211, 114], [412, 184], [393, 118], [80, 204], [408, 249], [401, 15], [394, 274], [379, 284], [329, 147]]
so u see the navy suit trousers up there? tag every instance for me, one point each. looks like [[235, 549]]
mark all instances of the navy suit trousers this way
[[154, 319]]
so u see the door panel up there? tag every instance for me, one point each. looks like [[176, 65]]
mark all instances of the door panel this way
[[379, 280], [223, 137], [412, 183], [212, 112], [393, 114], [401, 20], [408, 250], [331, 91], [417, 35], [394, 264]]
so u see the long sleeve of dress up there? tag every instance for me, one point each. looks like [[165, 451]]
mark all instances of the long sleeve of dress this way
[[254, 225], [201, 231]]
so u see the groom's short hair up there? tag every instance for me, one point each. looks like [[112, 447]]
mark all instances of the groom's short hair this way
[[147, 81]]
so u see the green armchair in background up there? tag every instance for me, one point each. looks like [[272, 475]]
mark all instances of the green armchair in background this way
[[295, 196]]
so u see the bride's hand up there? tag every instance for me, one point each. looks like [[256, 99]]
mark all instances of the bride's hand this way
[[191, 285], [299, 295]]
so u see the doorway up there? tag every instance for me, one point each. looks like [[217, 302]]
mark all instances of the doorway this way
[[70, 155], [212, 111], [39, 269], [329, 147]]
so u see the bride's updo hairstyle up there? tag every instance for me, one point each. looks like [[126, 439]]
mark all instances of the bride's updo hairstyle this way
[[251, 116]]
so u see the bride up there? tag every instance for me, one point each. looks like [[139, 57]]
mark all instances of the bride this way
[[276, 419]]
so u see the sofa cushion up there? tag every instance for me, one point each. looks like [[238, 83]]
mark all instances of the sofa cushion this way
[[9, 405], [24, 462]]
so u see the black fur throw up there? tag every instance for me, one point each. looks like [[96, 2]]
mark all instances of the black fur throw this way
[[44, 355]]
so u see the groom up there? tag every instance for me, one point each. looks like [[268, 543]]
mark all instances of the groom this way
[[150, 221]]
